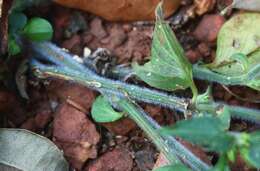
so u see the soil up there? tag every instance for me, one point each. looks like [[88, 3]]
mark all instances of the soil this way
[[60, 110]]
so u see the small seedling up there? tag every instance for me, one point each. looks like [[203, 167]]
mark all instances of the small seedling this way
[[34, 29]]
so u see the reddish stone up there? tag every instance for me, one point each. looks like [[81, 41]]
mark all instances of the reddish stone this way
[[116, 160], [161, 161], [196, 150], [97, 28], [75, 134], [81, 97], [73, 44], [29, 124], [42, 118], [155, 112], [193, 55], [120, 127], [13, 109], [203, 6], [117, 36], [208, 28], [204, 49], [61, 19]]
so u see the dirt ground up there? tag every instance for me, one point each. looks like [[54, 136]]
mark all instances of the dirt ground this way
[[60, 110]]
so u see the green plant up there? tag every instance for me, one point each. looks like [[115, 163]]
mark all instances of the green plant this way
[[35, 29], [207, 121]]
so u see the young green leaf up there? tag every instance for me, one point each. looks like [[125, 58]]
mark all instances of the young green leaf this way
[[239, 35], [177, 167], [17, 21], [168, 68], [251, 154], [206, 131], [102, 111], [28, 151], [205, 98], [13, 47], [38, 29]]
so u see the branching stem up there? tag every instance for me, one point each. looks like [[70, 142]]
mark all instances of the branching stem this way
[[66, 67]]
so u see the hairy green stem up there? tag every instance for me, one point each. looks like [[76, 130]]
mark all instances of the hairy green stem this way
[[235, 111], [134, 113], [163, 143], [201, 73], [67, 67], [143, 121]]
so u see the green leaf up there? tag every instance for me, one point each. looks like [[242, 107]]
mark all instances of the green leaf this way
[[206, 131], [149, 74], [102, 111], [239, 35], [176, 167], [17, 21], [38, 29], [168, 68], [251, 154], [28, 151], [13, 47], [205, 98]]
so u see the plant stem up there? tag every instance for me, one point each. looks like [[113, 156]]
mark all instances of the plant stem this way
[[137, 114], [201, 73], [171, 148], [143, 121], [167, 145], [67, 68]]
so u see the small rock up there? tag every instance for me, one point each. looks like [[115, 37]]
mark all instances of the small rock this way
[[75, 134], [43, 116], [61, 19], [204, 50], [193, 55], [29, 124], [208, 28], [161, 161], [97, 29], [144, 159], [117, 36], [203, 6], [120, 127], [81, 96], [73, 44], [137, 46], [196, 150], [115, 160], [10, 106], [87, 37], [127, 27], [155, 112]]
